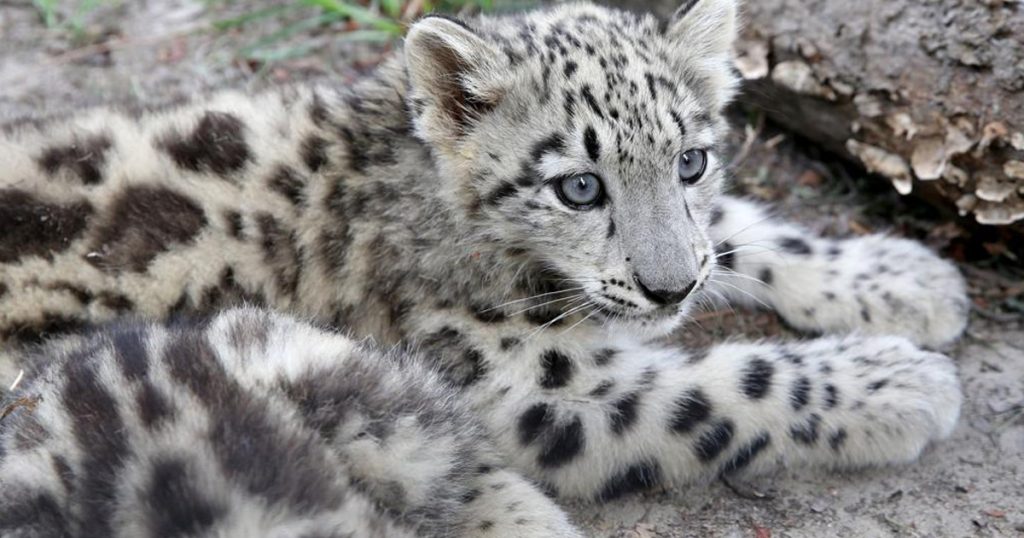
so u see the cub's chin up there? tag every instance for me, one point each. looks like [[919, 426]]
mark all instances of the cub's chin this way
[[647, 326]]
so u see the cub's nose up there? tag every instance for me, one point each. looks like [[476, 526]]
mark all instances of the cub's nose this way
[[664, 297]]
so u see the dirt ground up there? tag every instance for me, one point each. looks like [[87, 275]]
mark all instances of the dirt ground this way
[[152, 52]]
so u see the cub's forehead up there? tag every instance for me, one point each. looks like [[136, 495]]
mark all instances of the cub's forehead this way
[[576, 31]]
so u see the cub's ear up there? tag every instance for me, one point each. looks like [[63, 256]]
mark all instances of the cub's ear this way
[[702, 33], [455, 77]]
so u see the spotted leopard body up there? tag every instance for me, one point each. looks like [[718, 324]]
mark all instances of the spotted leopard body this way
[[421, 209]]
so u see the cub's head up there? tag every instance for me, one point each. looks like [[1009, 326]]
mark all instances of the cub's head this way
[[586, 140]]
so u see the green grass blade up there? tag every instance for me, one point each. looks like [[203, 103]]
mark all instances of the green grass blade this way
[[241, 20], [358, 14]]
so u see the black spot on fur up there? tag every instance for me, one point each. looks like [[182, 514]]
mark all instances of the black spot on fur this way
[[591, 102], [288, 183], [558, 369], [795, 245], [717, 214], [800, 394], [766, 276], [281, 253], [683, 9], [831, 396], [746, 454], [570, 68], [603, 357], [487, 314], [234, 224], [314, 152], [31, 227], [152, 406], [477, 368], [96, 424], [318, 111], [37, 331], [175, 507], [806, 433], [216, 145], [505, 190], [563, 443], [85, 157], [130, 352], [637, 477], [757, 378], [624, 413], [611, 229], [676, 119], [689, 410], [874, 386], [65, 473], [244, 437], [726, 257], [592, 145], [552, 144], [712, 442], [144, 221], [602, 389], [836, 440], [533, 421], [33, 514], [508, 343]]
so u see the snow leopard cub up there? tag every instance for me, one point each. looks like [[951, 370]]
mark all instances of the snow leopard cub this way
[[526, 202]]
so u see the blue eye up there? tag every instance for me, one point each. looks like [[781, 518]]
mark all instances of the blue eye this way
[[580, 192], [692, 165]]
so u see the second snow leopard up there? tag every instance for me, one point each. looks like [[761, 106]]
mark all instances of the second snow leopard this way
[[527, 202]]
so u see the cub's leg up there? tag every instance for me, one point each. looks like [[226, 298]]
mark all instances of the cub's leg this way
[[873, 284], [628, 418]]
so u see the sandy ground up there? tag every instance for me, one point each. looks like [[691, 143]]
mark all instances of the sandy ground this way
[[150, 52]]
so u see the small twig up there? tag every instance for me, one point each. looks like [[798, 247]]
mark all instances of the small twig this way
[[744, 491], [17, 380]]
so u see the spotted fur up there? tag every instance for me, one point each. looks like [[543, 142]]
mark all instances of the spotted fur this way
[[419, 208]]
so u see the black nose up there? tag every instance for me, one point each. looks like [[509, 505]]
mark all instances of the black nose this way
[[664, 297]]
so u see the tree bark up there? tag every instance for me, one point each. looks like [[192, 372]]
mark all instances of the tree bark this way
[[927, 93]]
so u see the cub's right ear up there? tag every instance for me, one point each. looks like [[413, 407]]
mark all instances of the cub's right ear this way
[[455, 75]]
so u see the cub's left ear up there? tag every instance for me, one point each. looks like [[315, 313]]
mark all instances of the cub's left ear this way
[[703, 32], [455, 77]]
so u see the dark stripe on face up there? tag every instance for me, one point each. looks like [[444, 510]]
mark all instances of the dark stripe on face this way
[[552, 144], [591, 143], [591, 102], [682, 129], [505, 190]]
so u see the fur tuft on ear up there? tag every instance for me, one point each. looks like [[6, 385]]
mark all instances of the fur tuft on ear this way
[[454, 75], [703, 32]]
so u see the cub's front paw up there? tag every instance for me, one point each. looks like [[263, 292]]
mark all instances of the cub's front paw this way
[[876, 285], [903, 288]]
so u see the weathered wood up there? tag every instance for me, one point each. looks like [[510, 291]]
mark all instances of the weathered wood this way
[[928, 93]]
